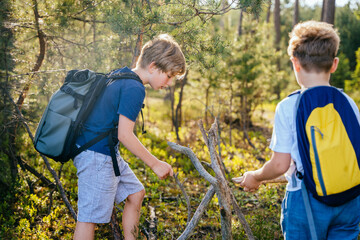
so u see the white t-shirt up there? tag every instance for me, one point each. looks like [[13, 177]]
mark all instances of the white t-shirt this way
[[284, 138]]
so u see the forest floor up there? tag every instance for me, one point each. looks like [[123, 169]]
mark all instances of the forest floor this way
[[33, 211]]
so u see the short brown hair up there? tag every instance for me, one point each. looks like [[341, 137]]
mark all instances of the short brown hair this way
[[165, 52], [314, 44]]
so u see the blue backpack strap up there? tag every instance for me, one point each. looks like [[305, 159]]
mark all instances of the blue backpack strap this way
[[308, 210], [295, 92]]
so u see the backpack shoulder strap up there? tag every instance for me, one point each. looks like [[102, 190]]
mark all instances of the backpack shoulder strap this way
[[295, 92], [126, 75]]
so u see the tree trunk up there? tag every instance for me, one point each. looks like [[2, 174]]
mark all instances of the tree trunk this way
[[172, 105], [207, 104], [137, 50], [22, 96], [222, 21], [230, 111], [328, 11], [178, 112], [322, 10], [240, 22], [277, 24], [40, 58], [268, 14], [296, 12]]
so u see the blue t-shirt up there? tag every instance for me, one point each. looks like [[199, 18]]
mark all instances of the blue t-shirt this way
[[125, 97]]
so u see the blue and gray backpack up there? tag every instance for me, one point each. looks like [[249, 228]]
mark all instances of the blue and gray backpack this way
[[67, 111]]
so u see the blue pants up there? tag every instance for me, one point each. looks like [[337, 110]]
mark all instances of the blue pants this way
[[338, 223]]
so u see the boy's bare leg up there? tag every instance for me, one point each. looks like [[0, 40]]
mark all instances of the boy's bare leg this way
[[84, 230], [131, 215]]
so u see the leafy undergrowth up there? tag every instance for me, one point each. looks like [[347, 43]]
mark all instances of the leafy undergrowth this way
[[33, 211]]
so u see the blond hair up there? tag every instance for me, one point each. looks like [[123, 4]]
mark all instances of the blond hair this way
[[314, 44], [165, 52]]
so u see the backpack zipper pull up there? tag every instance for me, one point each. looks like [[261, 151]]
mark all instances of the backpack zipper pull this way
[[314, 128]]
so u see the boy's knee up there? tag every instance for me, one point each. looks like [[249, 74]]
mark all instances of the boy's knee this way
[[137, 197]]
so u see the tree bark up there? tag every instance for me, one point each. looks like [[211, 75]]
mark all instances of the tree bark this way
[[207, 92], [137, 50], [296, 12], [277, 24], [40, 59], [322, 10], [115, 226], [240, 22], [23, 94], [178, 110], [328, 11], [268, 14]]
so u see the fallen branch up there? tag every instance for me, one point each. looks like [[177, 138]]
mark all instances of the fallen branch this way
[[115, 226], [187, 199], [219, 185], [198, 213], [153, 224], [281, 179], [53, 173]]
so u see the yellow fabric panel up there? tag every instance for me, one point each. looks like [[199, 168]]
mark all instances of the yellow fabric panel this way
[[339, 167]]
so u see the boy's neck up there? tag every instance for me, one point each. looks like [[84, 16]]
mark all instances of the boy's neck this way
[[313, 79], [142, 73]]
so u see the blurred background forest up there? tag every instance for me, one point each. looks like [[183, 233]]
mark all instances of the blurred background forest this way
[[238, 70]]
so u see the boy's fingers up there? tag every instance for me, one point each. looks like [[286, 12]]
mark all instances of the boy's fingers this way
[[238, 179], [171, 172]]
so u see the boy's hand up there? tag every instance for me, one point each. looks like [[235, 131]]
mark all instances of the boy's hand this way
[[162, 169], [248, 181]]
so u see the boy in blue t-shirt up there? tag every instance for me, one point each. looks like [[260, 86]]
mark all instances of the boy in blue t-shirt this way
[[159, 62], [312, 49]]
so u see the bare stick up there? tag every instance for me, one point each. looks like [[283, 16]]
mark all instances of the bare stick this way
[[153, 221], [242, 218], [198, 213], [57, 180], [187, 199], [115, 226], [281, 179], [187, 151]]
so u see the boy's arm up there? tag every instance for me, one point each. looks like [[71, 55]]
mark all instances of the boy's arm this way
[[277, 166], [127, 137]]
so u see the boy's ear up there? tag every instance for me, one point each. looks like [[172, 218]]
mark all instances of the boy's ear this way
[[296, 64], [152, 67], [334, 65]]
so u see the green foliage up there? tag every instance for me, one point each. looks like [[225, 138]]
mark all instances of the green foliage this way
[[342, 73], [225, 69], [348, 26], [253, 70]]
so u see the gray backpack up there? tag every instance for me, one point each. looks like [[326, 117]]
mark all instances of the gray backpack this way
[[66, 112]]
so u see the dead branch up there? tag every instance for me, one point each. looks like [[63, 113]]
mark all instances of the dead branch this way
[[187, 151], [153, 224], [241, 217], [41, 177], [219, 184], [281, 179], [187, 199], [197, 215], [115, 226], [52, 171]]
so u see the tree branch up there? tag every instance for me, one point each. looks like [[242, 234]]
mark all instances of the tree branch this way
[[187, 199], [57, 180], [187, 151], [198, 213]]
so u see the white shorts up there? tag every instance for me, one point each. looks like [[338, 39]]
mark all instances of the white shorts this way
[[99, 188]]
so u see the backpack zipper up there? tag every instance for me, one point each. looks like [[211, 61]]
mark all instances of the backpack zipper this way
[[314, 129]]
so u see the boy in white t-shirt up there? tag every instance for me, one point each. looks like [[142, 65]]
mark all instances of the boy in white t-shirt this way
[[312, 50]]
